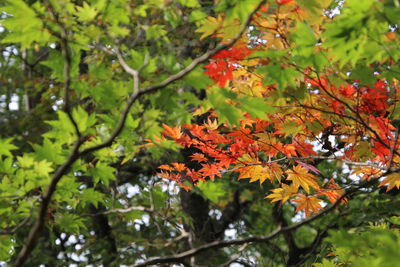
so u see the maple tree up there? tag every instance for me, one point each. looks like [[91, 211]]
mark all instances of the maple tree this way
[[180, 132], [331, 115]]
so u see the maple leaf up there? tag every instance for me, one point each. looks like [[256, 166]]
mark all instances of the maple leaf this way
[[283, 193], [368, 172], [333, 192], [310, 204], [220, 71], [166, 167], [392, 180], [347, 91], [289, 128], [233, 54], [254, 172], [274, 171], [198, 157], [210, 26], [179, 166], [308, 167], [211, 124], [210, 170], [380, 150], [303, 148], [167, 175], [257, 172], [269, 143], [301, 177], [174, 133]]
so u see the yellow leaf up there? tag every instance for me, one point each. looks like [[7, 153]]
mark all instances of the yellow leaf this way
[[283, 193], [211, 124], [274, 171], [301, 177], [254, 172], [392, 180], [257, 172], [367, 172], [310, 204]]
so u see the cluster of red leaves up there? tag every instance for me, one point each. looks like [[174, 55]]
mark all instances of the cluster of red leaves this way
[[217, 151], [355, 115], [248, 150], [368, 105], [224, 62], [372, 100], [283, 2]]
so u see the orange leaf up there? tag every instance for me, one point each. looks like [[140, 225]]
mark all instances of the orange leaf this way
[[198, 157], [368, 172], [179, 166], [310, 204], [165, 167], [274, 171], [174, 133]]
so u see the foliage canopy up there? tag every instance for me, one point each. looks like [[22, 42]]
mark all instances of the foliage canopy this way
[[128, 128]]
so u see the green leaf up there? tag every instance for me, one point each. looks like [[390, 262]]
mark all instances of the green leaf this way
[[6, 147], [86, 13], [70, 223], [304, 39], [325, 263], [83, 119], [91, 196], [20, 31], [197, 15], [211, 190], [197, 79], [189, 3], [237, 8], [256, 107], [282, 76], [102, 173], [226, 112], [155, 31], [49, 151]]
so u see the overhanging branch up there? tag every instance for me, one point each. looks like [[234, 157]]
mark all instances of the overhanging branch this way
[[36, 229], [253, 239]]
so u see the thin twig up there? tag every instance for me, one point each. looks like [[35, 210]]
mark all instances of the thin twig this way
[[67, 70], [253, 239], [15, 228], [393, 147], [168, 81], [133, 208]]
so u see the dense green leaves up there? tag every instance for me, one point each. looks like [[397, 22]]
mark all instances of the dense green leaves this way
[[79, 146]]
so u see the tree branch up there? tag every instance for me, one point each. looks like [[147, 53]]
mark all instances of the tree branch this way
[[253, 239], [129, 209], [136, 94], [67, 70], [46, 198], [129, 70], [75, 154], [205, 56]]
